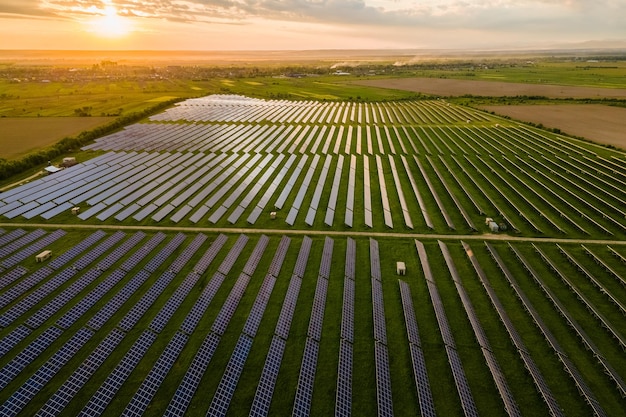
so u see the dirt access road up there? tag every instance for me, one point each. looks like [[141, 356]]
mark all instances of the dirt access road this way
[[481, 237]]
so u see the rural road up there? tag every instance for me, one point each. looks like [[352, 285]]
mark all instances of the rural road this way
[[493, 237]]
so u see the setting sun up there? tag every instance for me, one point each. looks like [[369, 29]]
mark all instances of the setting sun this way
[[110, 24]]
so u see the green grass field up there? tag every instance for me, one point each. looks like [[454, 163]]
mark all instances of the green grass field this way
[[607, 73]]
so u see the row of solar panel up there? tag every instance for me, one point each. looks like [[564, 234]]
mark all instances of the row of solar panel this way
[[216, 194], [424, 394], [249, 138], [540, 383], [467, 401], [571, 369], [226, 388], [431, 112], [498, 377], [181, 400], [183, 256], [343, 400]]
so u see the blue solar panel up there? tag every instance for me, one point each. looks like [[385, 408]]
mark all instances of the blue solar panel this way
[[109, 388], [122, 215]]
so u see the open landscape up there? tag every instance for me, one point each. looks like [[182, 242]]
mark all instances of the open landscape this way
[[236, 252]]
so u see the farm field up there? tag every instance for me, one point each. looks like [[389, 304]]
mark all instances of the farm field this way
[[601, 124], [448, 87], [23, 135], [96, 98], [174, 290]]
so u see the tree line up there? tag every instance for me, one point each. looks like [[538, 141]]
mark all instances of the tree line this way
[[8, 168]]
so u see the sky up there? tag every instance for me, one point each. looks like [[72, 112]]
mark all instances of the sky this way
[[307, 24]]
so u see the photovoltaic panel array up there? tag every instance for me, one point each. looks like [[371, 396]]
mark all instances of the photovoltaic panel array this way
[[467, 401]]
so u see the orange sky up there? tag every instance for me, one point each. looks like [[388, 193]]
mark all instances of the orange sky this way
[[306, 24]]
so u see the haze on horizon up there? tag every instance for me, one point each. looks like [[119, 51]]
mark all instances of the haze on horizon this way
[[308, 24]]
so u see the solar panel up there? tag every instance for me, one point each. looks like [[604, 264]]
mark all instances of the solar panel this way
[[188, 386], [343, 399], [265, 389], [44, 374], [54, 305], [66, 392], [234, 368], [24, 285], [87, 302], [304, 390], [383, 381], [32, 249], [153, 380], [28, 354], [109, 388], [12, 339], [9, 277]]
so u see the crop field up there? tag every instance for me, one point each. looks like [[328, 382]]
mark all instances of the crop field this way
[[452, 87], [601, 124], [601, 72], [238, 256], [26, 134]]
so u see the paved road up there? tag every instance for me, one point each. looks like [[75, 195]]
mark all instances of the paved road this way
[[494, 237]]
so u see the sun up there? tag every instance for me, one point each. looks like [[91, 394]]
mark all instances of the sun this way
[[110, 24]]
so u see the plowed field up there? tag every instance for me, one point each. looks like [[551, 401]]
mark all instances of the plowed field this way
[[602, 124], [450, 87]]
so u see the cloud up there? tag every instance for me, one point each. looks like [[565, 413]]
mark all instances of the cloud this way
[[23, 8], [471, 14], [404, 20]]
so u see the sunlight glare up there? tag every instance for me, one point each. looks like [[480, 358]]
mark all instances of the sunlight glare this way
[[110, 24]]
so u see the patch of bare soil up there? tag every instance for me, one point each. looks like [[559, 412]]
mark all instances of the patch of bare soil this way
[[601, 124], [449, 87]]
